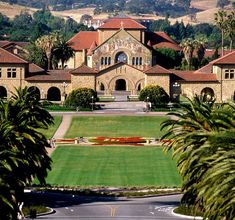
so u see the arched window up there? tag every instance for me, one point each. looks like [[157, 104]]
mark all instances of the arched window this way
[[3, 92], [35, 90], [139, 87], [140, 60], [102, 87], [109, 60], [105, 61], [102, 61], [133, 60], [121, 57], [207, 94], [53, 94], [137, 61]]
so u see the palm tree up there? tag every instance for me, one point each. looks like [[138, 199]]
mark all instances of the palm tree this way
[[47, 43], [220, 21], [200, 135], [22, 147], [230, 28], [200, 48], [63, 52], [188, 46]]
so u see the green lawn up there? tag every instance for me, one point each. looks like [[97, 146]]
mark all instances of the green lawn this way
[[88, 166], [52, 129], [116, 126]]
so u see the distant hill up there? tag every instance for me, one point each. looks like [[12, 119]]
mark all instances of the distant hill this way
[[206, 14]]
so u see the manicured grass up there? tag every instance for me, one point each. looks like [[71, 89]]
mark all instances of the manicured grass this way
[[116, 126], [88, 166], [52, 129]]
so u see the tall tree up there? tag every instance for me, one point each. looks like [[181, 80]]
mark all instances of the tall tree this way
[[47, 43], [188, 46], [230, 28], [63, 52], [220, 21]]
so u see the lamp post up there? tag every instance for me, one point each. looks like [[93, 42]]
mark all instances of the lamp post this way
[[92, 104]]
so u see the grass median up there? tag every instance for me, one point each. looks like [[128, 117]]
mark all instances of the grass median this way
[[117, 166], [116, 126]]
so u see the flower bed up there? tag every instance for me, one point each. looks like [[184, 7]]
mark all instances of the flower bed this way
[[118, 140]]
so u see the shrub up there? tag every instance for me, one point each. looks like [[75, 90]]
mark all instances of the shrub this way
[[81, 98], [156, 95]]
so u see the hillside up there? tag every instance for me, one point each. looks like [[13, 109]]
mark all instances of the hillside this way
[[207, 7]]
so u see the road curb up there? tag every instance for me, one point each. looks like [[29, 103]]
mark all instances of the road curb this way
[[185, 216]]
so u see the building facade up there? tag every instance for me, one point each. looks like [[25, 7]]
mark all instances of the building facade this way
[[118, 58]]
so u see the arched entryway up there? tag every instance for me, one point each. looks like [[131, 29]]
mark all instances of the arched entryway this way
[[53, 94], [121, 57], [3, 92], [207, 94], [120, 85], [35, 90]]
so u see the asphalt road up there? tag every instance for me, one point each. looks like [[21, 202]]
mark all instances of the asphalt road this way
[[77, 207]]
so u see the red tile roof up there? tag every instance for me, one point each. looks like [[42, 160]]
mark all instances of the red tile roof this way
[[210, 52], [117, 23], [83, 40], [191, 76], [6, 43], [52, 76], [157, 70], [7, 57], [33, 68], [83, 69], [161, 40], [226, 59], [92, 47]]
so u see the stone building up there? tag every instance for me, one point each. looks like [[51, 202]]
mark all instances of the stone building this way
[[118, 59]]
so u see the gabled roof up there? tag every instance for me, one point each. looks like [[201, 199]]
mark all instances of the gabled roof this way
[[226, 59], [125, 23], [7, 57], [83, 40], [83, 69], [161, 40], [52, 76], [157, 69], [117, 65], [92, 47], [6, 43], [191, 76]]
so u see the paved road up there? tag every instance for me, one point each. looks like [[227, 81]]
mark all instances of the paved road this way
[[76, 207]]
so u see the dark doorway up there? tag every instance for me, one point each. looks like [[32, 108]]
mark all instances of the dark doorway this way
[[3, 92], [53, 94], [120, 85]]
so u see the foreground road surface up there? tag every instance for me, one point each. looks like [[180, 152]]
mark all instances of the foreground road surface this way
[[79, 207]]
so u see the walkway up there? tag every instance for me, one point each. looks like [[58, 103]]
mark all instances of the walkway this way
[[62, 129]]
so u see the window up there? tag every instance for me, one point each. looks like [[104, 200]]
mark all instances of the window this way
[[133, 61], [102, 61], [11, 72], [109, 60], [140, 60], [0, 72], [229, 74], [105, 61], [136, 60]]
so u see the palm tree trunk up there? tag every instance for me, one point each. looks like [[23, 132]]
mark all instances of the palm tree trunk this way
[[231, 44], [222, 43]]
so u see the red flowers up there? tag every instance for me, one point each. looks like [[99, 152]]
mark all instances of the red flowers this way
[[119, 140]]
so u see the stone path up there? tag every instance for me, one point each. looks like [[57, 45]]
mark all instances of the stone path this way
[[61, 131]]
